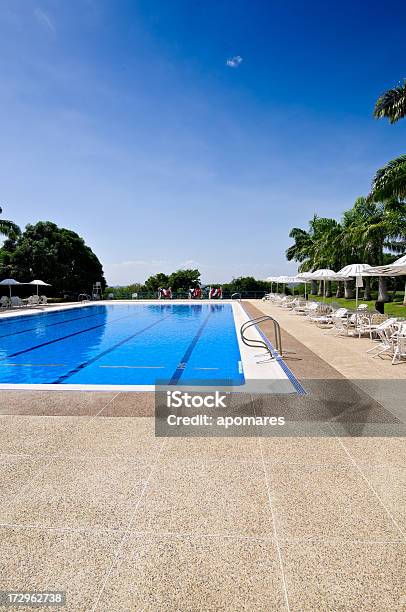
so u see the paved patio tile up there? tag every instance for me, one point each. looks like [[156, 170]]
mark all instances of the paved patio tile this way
[[390, 485], [75, 562], [121, 437], [221, 449], [208, 498], [333, 502], [348, 576], [131, 405], [377, 451], [310, 451], [15, 473], [35, 435], [78, 493], [194, 574], [53, 403]]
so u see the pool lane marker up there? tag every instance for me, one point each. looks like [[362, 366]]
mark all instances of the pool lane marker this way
[[182, 365], [82, 331], [35, 365], [23, 331], [41, 314], [137, 367], [107, 351]]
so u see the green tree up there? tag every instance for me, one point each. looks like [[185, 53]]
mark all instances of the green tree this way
[[58, 256], [390, 181], [318, 247], [392, 104], [184, 279], [368, 229], [8, 228], [159, 280], [245, 284]]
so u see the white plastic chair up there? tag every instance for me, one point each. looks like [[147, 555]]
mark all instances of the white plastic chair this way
[[384, 332], [400, 344], [16, 301], [322, 314], [309, 309]]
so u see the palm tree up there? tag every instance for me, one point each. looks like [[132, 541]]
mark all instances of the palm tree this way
[[319, 247], [371, 227], [8, 228], [302, 249], [364, 236], [392, 104], [390, 181]]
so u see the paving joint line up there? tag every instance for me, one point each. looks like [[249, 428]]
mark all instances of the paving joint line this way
[[372, 488], [273, 519], [180, 534], [128, 529], [37, 475]]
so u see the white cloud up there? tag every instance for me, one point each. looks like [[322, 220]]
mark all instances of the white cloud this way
[[234, 62], [45, 20]]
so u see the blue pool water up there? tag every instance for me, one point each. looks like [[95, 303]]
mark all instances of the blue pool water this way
[[122, 344]]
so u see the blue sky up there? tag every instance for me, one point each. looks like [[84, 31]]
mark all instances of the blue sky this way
[[120, 119]]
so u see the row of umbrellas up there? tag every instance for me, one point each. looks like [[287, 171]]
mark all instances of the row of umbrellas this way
[[10, 282], [397, 268]]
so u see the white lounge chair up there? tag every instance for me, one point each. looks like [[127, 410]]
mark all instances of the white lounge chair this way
[[4, 302], [339, 320], [33, 300], [400, 345], [16, 301], [43, 299], [299, 307], [321, 315], [309, 309], [384, 333], [369, 325]]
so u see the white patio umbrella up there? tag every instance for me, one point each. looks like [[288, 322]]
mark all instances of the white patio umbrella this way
[[39, 283], [10, 282], [294, 280], [305, 277], [324, 274], [282, 280], [287, 280], [397, 268], [355, 271], [271, 279]]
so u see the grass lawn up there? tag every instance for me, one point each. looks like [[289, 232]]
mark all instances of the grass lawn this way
[[395, 309]]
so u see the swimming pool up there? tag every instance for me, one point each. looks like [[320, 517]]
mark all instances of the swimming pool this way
[[122, 344]]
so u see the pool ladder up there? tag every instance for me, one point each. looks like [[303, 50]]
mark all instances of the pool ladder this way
[[257, 343]]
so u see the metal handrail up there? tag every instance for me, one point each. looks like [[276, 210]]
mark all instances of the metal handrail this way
[[261, 343]]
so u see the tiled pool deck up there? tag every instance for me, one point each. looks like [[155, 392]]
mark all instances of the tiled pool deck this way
[[95, 505]]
